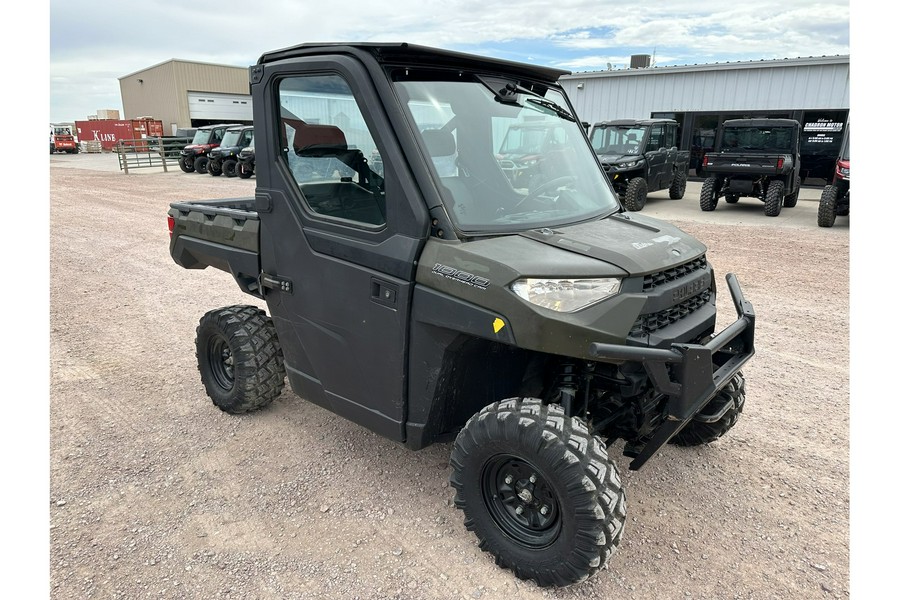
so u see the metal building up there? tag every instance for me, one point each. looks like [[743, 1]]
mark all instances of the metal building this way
[[184, 94], [815, 91]]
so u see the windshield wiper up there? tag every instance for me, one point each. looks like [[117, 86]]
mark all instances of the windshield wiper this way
[[556, 108], [508, 92]]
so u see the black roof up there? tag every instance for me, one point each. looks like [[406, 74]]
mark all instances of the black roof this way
[[634, 122], [240, 127], [761, 123], [402, 54]]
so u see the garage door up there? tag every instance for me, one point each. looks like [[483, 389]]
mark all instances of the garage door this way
[[224, 108]]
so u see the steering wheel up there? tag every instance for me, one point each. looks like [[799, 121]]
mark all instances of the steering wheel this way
[[551, 184]]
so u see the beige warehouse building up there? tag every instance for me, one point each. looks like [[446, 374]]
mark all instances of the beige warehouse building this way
[[184, 94]]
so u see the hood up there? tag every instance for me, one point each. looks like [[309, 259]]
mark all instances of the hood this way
[[219, 150], [200, 147], [612, 159], [635, 243]]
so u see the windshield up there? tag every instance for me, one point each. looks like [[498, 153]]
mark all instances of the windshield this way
[[775, 139], [510, 165], [617, 139], [231, 138], [202, 136]]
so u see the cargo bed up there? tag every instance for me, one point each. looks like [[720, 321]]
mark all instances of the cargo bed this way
[[223, 234]]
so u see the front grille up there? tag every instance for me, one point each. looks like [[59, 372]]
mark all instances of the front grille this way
[[673, 274], [649, 323]]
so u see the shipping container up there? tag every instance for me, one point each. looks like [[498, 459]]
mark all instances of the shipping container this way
[[109, 132]]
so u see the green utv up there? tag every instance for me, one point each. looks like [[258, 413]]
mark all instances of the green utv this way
[[641, 156], [531, 322]]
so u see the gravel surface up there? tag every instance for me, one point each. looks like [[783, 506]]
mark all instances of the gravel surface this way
[[155, 493]]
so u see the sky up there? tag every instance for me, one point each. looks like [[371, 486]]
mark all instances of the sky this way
[[93, 43]]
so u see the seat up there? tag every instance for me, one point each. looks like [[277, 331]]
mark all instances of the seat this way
[[441, 147], [317, 140]]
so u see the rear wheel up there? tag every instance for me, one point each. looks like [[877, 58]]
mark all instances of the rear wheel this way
[[200, 164], [636, 194], [709, 194], [774, 198], [827, 206], [678, 186], [790, 200], [186, 163], [240, 360], [229, 167], [538, 490], [727, 405]]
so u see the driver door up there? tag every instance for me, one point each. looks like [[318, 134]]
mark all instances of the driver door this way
[[339, 242], [656, 155]]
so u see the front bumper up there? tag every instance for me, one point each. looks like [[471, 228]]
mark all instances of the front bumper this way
[[698, 371]]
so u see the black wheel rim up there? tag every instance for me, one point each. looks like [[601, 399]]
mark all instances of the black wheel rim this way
[[521, 501], [221, 362]]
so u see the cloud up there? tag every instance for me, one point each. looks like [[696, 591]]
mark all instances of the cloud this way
[[93, 43]]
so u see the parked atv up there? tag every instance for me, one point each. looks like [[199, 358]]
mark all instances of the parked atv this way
[[755, 158], [195, 156], [224, 159], [246, 162], [640, 157], [529, 152], [835, 199]]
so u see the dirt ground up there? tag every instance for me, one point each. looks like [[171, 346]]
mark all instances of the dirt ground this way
[[155, 493]]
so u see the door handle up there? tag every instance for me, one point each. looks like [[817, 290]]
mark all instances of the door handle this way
[[384, 293], [273, 282]]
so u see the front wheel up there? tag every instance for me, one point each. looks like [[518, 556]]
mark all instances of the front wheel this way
[[244, 171], [229, 167], [709, 195], [539, 491], [214, 168], [200, 164], [636, 194], [240, 360], [717, 417], [678, 186], [827, 206], [186, 163], [774, 198]]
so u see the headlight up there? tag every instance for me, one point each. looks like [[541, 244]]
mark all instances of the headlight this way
[[565, 295], [630, 164], [845, 171]]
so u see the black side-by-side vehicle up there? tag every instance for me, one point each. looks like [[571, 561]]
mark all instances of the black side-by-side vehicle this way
[[641, 156], [755, 158]]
